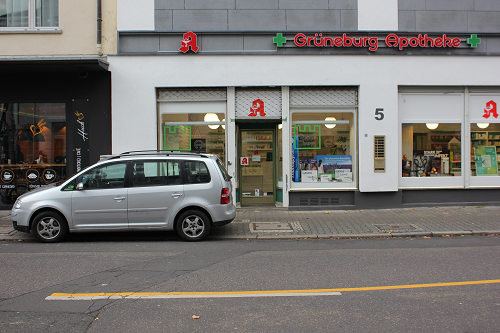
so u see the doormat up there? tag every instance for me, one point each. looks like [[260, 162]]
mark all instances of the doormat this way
[[270, 227], [394, 227]]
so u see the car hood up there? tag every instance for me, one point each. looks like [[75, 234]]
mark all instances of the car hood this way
[[37, 190]]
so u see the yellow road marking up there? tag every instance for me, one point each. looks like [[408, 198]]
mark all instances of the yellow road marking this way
[[260, 293]]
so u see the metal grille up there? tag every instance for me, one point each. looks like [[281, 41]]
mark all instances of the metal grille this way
[[319, 201], [191, 94], [379, 153], [271, 99], [323, 96], [380, 146]]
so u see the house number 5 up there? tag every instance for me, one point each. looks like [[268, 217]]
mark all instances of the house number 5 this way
[[379, 114]]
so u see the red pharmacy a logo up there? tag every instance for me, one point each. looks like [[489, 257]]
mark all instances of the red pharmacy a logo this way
[[491, 109], [257, 107], [189, 41]]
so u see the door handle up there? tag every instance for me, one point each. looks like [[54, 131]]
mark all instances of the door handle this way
[[176, 195], [119, 199]]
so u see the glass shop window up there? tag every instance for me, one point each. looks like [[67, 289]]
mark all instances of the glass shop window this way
[[485, 149], [195, 132], [33, 147], [431, 150], [323, 149]]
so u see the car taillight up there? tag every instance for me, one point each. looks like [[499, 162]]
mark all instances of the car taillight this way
[[224, 196]]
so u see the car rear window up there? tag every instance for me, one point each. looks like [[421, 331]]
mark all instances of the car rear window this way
[[196, 172], [223, 170]]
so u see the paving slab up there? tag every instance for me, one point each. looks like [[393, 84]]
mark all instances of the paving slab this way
[[374, 223]]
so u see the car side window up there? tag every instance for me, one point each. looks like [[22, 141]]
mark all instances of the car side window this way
[[156, 173], [196, 172], [106, 176]]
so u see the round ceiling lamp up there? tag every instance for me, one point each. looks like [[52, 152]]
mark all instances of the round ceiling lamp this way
[[432, 126], [330, 119], [211, 117], [483, 125]]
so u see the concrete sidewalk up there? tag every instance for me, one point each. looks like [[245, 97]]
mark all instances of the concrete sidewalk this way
[[279, 223]]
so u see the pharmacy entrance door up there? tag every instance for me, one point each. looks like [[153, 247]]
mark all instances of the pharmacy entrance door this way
[[257, 183]]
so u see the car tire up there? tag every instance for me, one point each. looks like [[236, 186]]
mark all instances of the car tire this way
[[49, 227], [193, 225]]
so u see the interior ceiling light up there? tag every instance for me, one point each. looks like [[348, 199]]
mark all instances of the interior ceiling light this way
[[432, 126], [483, 125], [211, 117], [330, 119]]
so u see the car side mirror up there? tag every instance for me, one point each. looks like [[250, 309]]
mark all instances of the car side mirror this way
[[79, 186]]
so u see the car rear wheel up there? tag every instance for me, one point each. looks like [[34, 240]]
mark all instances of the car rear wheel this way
[[49, 227], [193, 225]]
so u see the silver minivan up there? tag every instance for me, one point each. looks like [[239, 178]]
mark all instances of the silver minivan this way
[[141, 190]]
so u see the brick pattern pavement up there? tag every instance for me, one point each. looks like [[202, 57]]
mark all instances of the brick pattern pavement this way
[[433, 221]]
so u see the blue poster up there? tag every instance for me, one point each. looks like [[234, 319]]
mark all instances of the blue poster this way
[[328, 164], [295, 160]]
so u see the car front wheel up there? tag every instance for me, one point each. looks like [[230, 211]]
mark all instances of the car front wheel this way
[[49, 227], [193, 225]]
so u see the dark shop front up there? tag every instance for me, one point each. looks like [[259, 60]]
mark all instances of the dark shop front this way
[[55, 119]]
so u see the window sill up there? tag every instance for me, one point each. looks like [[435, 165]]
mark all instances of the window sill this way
[[31, 31]]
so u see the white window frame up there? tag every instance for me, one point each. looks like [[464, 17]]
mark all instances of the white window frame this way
[[297, 186], [32, 21]]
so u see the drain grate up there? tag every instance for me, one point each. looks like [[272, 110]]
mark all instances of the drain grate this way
[[270, 227], [396, 227]]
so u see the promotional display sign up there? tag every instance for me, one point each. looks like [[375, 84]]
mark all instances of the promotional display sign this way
[[485, 159], [323, 168]]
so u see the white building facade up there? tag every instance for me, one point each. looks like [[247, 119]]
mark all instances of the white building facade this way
[[338, 105]]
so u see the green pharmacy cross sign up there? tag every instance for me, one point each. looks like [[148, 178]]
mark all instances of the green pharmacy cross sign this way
[[473, 41], [279, 40]]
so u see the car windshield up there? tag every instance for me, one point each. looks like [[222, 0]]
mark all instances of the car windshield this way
[[223, 170]]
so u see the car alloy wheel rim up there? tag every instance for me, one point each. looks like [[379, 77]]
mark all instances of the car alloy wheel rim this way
[[193, 226], [48, 228]]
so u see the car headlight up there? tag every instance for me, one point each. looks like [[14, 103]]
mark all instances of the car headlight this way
[[18, 204]]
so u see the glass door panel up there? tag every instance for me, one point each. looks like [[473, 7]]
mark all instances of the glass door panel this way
[[257, 167]]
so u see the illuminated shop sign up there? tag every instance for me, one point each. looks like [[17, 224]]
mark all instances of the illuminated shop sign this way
[[372, 43]]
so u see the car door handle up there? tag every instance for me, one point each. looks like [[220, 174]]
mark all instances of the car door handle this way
[[119, 199], [176, 195]]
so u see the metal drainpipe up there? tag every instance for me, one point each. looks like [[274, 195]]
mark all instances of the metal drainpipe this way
[[99, 26]]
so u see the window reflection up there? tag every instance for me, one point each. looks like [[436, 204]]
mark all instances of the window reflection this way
[[32, 147]]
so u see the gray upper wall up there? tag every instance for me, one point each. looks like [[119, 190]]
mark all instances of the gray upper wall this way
[[256, 15], [449, 15]]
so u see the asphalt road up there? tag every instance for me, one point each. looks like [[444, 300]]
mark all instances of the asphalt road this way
[[159, 263]]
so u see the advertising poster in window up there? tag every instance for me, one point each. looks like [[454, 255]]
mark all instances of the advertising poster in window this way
[[326, 168], [338, 167], [485, 159], [295, 159]]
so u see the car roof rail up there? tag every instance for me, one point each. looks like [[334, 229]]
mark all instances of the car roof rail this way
[[160, 152]]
